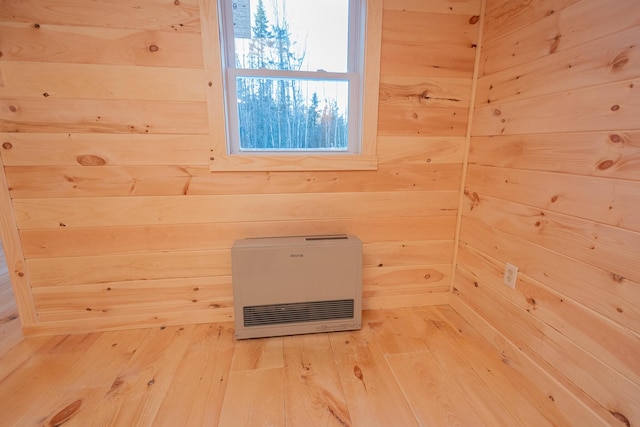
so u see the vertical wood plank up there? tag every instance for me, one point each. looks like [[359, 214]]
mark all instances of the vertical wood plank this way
[[197, 391], [313, 393], [137, 393]]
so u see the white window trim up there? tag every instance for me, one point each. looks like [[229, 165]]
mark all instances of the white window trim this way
[[221, 160]]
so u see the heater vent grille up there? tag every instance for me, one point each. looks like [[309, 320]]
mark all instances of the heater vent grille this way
[[273, 314]]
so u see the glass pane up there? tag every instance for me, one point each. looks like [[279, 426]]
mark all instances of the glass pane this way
[[292, 114], [301, 35]]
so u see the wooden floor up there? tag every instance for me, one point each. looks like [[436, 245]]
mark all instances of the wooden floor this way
[[420, 366]]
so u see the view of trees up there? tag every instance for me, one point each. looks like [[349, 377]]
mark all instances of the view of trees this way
[[285, 113]]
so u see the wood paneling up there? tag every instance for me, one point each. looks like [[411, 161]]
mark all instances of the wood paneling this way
[[96, 45], [90, 81], [106, 129], [552, 187], [149, 14]]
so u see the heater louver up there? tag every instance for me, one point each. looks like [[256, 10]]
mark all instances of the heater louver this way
[[274, 314]]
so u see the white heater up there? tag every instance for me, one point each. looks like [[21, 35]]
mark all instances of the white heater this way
[[296, 285]]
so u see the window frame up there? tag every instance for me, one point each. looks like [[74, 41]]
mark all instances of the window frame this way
[[362, 155]]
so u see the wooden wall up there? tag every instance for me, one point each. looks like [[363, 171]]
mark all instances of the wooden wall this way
[[111, 217], [553, 186]]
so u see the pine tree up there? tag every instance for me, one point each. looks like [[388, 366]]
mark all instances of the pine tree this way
[[274, 113]]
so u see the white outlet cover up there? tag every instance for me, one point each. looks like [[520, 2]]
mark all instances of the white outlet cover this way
[[510, 275]]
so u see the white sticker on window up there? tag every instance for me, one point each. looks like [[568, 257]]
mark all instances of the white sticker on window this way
[[242, 19]]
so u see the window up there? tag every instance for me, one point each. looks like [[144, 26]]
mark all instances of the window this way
[[300, 80]]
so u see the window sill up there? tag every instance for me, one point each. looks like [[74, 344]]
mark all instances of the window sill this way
[[293, 162]]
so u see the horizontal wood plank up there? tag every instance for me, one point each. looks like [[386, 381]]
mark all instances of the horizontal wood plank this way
[[148, 14], [465, 7], [118, 211], [426, 92], [570, 26], [427, 61], [603, 108], [91, 45], [91, 81], [610, 248], [606, 154], [608, 201], [504, 17], [416, 28], [95, 149], [115, 300], [82, 181], [64, 242], [608, 294], [115, 268], [601, 61], [114, 116], [556, 353], [605, 339]]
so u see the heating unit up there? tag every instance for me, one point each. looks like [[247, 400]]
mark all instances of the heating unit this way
[[296, 285]]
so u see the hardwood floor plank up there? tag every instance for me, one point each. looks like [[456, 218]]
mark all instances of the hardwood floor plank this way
[[74, 397], [520, 399], [39, 373], [136, 394], [373, 395], [313, 393], [196, 394], [407, 367], [434, 392], [262, 353], [394, 332], [254, 398]]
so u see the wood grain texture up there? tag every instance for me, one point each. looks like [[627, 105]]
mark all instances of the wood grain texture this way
[[201, 374], [95, 45], [113, 116], [605, 154], [312, 383], [551, 187], [64, 242], [74, 149], [611, 106], [610, 295], [119, 211], [559, 355], [108, 116], [607, 201], [506, 16], [571, 25], [601, 61], [148, 14], [100, 81], [10, 326]]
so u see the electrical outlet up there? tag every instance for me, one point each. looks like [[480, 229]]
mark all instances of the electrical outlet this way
[[510, 274]]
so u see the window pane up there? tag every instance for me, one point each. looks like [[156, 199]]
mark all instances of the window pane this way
[[301, 35], [292, 114]]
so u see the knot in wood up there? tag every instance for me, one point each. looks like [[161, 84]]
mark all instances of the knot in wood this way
[[615, 138], [555, 43], [153, 48], [606, 164], [7, 145], [90, 160], [619, 61]]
